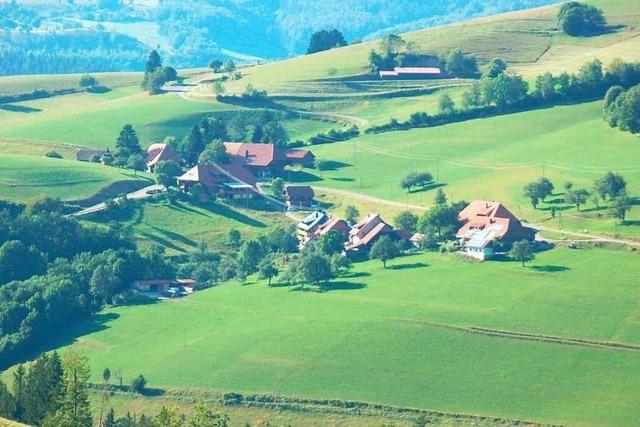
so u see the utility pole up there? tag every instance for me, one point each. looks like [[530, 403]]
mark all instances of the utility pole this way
[[438, 170]]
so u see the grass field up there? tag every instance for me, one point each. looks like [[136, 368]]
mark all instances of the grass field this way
[[26, 177], [401, 336], [11, 85], [493, 159], [182, 227]]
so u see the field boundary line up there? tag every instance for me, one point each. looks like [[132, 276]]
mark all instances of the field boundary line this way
[[525, 336], [283, 403]]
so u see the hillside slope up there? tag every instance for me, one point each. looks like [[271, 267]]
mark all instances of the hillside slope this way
[[529, 40]]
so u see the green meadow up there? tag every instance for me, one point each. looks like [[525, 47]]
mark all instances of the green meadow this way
[[493, 159], [25, 177], [182, 227], [402, 336]]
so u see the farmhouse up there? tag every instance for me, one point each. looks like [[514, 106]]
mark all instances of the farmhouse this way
[[164, 286], [267, 160], [229, 181], [298, 196], [365, 233], [485, 221], [411, 73], [307, 228], [157, 153]]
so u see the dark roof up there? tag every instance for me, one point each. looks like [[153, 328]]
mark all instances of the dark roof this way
[[298, 154], [298, 192]]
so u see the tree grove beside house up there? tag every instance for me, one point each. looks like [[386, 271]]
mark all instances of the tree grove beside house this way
[[384, 249], [267, 270], [127, 143], [538, 190], [522, 251], [167, 172], [316, 268], [505, 90], [579, 19], [457, 64], [322, 40], [351, 214], [406, 221], [156, 75], [441, 221], [331, 242]]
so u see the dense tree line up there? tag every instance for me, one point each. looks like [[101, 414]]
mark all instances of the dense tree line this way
[[500, 91], [68, 52], [56, 270]]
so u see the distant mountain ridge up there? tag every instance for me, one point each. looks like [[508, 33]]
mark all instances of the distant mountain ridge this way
[[41, 36]]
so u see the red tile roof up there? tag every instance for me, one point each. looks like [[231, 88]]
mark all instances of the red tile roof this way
[[334, 224], [261, 155], [481, 214], [212, 175], [366, 231]]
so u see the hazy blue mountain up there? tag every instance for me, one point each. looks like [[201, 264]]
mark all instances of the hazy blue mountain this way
[[39, 36]]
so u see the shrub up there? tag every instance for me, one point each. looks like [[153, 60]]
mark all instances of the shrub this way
[[139, 384], [53, 155]]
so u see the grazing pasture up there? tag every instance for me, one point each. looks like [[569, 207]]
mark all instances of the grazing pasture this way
[[25, 177], [493, 159], [431, 332]]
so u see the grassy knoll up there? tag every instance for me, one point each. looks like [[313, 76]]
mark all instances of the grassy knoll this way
[[25, 177], [527, 39], [181, 227], [94, 120], [494, 158], [11, 85], [399, 336]]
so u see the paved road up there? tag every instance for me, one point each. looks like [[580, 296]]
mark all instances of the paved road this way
[[141, 194]]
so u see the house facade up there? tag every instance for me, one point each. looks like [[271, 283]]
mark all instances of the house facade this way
[[228, 181]]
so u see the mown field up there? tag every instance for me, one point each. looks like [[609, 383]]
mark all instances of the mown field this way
[[25, 177], [402, 336], [493, 159]]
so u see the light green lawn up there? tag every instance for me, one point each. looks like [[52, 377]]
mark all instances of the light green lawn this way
[[10, 85], [493, 159], [26, 177], [377, 338]]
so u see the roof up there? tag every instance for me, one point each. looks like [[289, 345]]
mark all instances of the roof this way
[[492, 216], [398, 71], [480, 239], [298, 192], [334, 224], [367, 230], [161, 153], [313, 220], [213, 174], [262, 155], [298, 154]]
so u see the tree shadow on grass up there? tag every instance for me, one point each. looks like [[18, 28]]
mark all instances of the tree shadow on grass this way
[[303, 176], [334, 165], [356, 275], [630, 223], [159, 240], [408, 266], [175, 236], [549, 268], [228, 212], [345, 179], [341, 285], [96, 323], [19, 108]]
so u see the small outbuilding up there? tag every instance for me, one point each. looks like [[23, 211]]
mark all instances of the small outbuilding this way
[[299, 196]]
